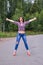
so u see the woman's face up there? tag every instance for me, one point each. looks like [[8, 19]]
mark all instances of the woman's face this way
[[21, 19]]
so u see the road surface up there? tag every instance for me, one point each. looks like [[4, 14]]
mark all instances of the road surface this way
[[36, 48]]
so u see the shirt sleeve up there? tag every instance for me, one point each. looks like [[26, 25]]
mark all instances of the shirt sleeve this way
[[27, 22], [15, 22]]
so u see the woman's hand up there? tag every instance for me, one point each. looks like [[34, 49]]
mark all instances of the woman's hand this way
[[7, 19], [34, 18]]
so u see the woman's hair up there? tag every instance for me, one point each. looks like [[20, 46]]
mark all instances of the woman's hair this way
[[19, 19]]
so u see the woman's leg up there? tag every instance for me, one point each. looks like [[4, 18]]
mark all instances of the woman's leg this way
[[17, 44], [17, 41], [25, 43]]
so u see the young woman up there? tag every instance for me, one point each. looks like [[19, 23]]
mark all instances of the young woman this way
[[21, 33]]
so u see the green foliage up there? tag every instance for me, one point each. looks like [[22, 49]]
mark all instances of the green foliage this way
[[34, 8], [21, 8], [41, 20]]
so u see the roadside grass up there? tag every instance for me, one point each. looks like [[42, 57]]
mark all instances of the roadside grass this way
[[7, 34], [13, 34], [33, 32]]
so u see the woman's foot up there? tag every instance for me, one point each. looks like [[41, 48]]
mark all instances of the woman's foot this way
[[28, 53], [14, 53]]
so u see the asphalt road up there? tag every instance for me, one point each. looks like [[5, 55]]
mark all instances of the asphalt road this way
[[36, 48]]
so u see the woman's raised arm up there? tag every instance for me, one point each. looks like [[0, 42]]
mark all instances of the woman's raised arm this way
[[32, 19], [27, 22], [9, 20], [15, 22]]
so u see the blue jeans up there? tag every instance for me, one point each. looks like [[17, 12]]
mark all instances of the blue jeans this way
[[19, 36]]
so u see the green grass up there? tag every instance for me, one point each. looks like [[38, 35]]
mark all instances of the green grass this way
[[13, 34], [33, 33], [7, 34]]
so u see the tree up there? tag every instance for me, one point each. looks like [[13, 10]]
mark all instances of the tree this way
[[34, 8]]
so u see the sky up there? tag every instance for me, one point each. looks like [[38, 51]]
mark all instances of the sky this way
[[30, 1]]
